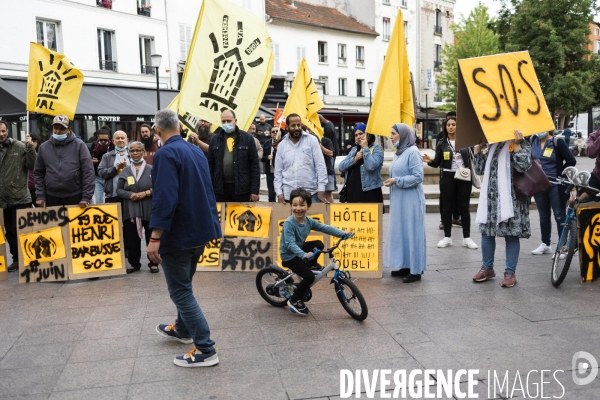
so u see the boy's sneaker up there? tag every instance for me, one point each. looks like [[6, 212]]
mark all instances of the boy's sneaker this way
[[542, 249], [170, 331], [298, 307], [196, 358]]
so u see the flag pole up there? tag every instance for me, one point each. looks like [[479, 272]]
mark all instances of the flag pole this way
[[28, 122]]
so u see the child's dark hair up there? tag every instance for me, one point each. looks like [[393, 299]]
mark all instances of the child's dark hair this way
[[303, 194]]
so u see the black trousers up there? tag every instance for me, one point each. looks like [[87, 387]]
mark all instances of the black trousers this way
[[303, 269], [455, 192], [134, 243], [230, 196], [52, 201], [455, 212], [33, 196], [271, 186], [10, 222]]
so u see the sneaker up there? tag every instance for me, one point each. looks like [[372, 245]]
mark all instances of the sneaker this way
[[468, 242], [13, 267], [445, 242], [196, 358], [509, 280], [457, 222], [441, 226], [298, 307], [542, 249], [170, 331], [484, 274]]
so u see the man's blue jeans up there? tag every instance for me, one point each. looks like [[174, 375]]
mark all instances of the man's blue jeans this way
[[99, 192], [488, 248], [179, 268], [551, 200]]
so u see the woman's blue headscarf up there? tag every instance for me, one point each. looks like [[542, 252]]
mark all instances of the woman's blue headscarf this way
[[407, 137]]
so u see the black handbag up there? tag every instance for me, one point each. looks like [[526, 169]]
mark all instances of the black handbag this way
[[532, 182], [343, 194]]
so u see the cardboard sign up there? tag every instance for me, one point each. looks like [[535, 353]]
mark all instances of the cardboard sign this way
[[96, 240], [247, 220], [496, 95], [211, 258], [588, 217], [361, 253], [42, 246]]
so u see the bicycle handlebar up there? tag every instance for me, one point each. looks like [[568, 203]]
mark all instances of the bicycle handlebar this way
[[316, 251]]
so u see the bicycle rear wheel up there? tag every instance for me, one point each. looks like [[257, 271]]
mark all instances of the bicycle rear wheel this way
[[265, 281], [564, 253], [351, 298]]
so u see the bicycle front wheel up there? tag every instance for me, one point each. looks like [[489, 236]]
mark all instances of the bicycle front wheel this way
[[352, 299], [564, 253]]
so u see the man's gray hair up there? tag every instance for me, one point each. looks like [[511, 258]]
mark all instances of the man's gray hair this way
[[137, 144], [167, 120]]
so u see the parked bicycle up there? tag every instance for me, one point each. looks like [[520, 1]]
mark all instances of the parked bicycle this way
[[276, 285], [568, 243]]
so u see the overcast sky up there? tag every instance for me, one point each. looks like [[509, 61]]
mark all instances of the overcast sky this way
[[465, 7]]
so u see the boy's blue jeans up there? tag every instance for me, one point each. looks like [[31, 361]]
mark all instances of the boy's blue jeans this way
[[488, 248], [179, 268]]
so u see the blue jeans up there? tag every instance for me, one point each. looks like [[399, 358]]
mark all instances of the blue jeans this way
[[550, 200], [488, 248], [99, 191], [179, 268], [315, 198]]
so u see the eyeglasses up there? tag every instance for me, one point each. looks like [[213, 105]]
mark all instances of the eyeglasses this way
[[136, 151]]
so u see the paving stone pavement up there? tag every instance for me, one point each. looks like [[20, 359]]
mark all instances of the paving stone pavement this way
[[96, 339]]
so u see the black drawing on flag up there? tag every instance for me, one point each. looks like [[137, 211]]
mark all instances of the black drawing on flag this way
[[52, 79]]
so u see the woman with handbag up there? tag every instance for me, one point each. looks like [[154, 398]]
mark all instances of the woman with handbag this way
[[554, 155], [455, 183], [500, 212], [362, 170]]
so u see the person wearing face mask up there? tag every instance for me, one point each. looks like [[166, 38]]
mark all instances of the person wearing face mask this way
[[16, 160], [112, 165], [64, 172], [151, 142], [554, 155], [233, 162], [405, 247], [100, 147]]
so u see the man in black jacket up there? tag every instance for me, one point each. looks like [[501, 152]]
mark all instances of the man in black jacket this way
[[233, 162]]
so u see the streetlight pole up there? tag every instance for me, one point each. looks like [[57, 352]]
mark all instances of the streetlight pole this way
[[156, 58], [426, 118], [370, 84]]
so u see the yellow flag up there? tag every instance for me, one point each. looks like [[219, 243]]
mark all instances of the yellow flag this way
[[53, 83], [393, 100], [228, 66], [304, 99]]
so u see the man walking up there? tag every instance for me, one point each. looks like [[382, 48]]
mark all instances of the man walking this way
[[233, 162], [299, 163], [182, 187], [16, 160], [63, 173], [151, 143]]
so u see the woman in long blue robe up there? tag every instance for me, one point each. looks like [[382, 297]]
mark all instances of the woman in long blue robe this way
[[405, 247]]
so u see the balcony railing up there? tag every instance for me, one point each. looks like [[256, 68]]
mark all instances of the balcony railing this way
[[104, 3], [145, 11], [148, 70], [322, 58], [437, 64], [437, 30], [108, 65], [437, 99]]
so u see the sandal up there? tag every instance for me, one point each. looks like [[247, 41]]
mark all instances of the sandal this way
[[153, 269], [133, 269]]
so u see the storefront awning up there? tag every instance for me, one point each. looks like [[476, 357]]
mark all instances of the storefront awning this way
[[94, 100]]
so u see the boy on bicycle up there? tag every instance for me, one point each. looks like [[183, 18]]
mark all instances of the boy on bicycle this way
[[295, 252]]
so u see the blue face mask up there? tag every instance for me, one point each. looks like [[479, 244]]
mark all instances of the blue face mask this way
[[141, 160], [228, 128], [121, 148], [60, 138], [542, 135], [396, 144]]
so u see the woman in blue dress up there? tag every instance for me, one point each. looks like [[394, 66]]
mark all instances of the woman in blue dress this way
[[405, 247]]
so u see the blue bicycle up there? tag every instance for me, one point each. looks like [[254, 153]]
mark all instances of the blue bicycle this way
[[276, 285], [568, 242]]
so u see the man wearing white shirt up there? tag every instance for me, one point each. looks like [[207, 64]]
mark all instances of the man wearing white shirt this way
[[299, 163]]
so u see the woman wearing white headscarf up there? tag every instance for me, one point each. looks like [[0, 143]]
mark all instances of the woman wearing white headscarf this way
[[405, 247], [500, 213]]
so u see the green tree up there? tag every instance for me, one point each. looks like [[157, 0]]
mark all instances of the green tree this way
[[472, 38], [555, 34]]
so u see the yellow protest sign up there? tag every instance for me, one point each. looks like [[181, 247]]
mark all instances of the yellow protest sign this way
[[2, 241], [212, 250], [496, 95], [42, 246], [95, 239], [53, 83], [318, 217], [361, 253], [304, 99], [245, 220], [228, 66], [2, 264]]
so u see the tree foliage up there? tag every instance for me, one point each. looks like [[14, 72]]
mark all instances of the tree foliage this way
[[555, 33], [472, 38]]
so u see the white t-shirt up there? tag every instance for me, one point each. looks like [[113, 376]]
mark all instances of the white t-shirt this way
[[457, 160]]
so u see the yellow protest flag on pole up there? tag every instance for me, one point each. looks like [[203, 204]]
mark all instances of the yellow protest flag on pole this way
[[53, 83], [228, 66], [304, 99], [393, 100]]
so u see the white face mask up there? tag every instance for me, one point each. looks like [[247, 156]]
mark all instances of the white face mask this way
[[228, 128]]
